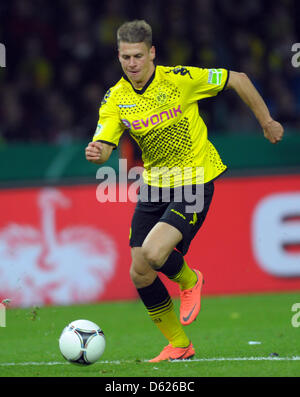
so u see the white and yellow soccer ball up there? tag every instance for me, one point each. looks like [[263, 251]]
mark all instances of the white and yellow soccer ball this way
[[82, 342]]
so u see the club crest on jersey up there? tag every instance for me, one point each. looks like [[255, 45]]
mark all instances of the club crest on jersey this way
[[161, 98], [156, 118]]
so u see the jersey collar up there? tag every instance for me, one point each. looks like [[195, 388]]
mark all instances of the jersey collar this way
[[140, 92]]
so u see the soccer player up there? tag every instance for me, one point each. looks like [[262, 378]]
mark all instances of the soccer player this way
[[158, 105]]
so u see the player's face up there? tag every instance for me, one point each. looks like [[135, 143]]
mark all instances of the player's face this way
[[137, 62]]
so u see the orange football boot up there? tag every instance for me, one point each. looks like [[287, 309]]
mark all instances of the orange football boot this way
[[191, 301], [174, 353]]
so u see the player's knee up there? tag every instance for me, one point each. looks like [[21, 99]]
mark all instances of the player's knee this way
[[134, 275], [141, 277], [153, 256]]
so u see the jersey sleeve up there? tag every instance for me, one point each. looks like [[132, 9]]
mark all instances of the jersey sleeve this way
[[109, 128], [204, 83]]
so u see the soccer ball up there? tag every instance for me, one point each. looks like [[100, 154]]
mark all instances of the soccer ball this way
[[82, 342]]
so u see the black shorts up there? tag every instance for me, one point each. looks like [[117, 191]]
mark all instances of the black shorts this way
[[178, 212]]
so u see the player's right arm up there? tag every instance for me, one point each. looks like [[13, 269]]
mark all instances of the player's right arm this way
[[108, 132]]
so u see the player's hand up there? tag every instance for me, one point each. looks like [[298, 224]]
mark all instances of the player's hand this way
[[93, 152], [273, 131]]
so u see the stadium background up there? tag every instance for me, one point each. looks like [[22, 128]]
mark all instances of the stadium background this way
[[58, 244]]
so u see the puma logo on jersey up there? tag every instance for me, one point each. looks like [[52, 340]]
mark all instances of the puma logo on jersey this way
[[154, 119], [181, 70]]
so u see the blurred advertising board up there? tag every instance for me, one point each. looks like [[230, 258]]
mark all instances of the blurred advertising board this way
[[62, 246]]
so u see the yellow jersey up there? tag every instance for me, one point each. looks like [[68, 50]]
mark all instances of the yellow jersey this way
[[163, 118]]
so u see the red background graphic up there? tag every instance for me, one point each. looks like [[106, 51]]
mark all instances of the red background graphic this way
[[222, 249]]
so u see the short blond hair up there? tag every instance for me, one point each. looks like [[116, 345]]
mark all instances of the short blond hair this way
[[137, 31]]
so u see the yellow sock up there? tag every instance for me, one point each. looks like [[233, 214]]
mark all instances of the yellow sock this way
[[167, 322], [186, 278]]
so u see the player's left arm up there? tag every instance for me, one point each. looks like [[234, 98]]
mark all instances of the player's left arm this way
[[243, 86]]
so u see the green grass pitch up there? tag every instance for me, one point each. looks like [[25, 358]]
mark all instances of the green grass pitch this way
[[221, 336]]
